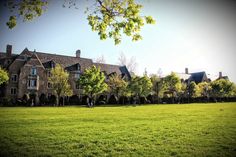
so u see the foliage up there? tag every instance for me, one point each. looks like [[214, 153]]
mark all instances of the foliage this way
[[92, 82], [193, 90], [157, 85], [107, 17], [59, 80], [153, 130], [27, 9], [183, 92], [3, 76], [111, 17], [204, 89], [117, 85], [140, 86], [172, 84], [222, 88]]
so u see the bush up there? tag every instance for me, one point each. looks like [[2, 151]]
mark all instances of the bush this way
[[113, 100], [43, 99]]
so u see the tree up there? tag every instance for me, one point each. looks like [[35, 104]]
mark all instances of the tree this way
[[3, 76], [222, 88], [117, 86], [131, 63], [193, 90], [100, 59], [107, 17], [204, 89], [140, 86], [92, 82], [172, 85], [157, 86], [59, 80]]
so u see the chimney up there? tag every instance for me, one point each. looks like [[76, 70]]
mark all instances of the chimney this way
[[9, 50], [186, 70], [220, 74], [78, 52]]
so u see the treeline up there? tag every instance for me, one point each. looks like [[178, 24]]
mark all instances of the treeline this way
[[97, 89]]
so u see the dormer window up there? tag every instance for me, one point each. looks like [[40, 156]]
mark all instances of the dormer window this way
[[33, 71], [52, 64]]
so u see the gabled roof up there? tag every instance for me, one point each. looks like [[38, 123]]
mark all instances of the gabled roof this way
[[197, 77], [68, 62], [49, 64], [34, 60], [124, 70]]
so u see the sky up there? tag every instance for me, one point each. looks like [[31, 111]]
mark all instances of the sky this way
[[196, 34]]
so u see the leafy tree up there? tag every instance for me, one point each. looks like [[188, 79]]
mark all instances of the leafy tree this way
[[27, 9], [107, 17], [140, 86], [183, 92], [3, 76], [193, 90], [172, 85], [234, 90], [59, 80], [92, 82], [117, 85], [204, 89], [157, 86], [222, 88]]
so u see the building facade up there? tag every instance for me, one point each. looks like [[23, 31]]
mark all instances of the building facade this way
[[29, 72]]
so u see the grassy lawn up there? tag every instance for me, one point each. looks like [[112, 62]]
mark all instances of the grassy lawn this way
[[151, 130]]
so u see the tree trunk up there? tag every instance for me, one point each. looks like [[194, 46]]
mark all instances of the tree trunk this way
[[172, 97], [139, 102], [57, 100], [158, 97]]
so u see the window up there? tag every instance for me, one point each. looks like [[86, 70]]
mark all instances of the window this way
[[52, 65], [32, 83], [49, 85], [77, 75], [14, 77], [33, 71], [13, 91], [49, 74]]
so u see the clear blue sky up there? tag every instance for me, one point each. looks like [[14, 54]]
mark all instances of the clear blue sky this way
[[197, 34]]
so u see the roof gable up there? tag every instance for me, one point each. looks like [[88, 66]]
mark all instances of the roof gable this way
[[198, 77]]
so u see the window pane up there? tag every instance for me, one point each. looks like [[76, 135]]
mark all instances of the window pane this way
[[33, 71]]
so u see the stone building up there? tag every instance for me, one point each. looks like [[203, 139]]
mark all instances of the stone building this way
[[29, 72]]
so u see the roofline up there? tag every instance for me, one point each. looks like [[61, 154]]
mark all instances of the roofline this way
[[60, 55], [110, 64]]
